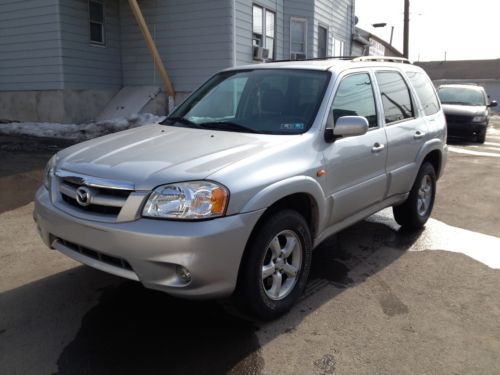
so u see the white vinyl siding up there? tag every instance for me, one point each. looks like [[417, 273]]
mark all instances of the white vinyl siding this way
[[30, 45], [337, 15], [88, 65], [194, 38]]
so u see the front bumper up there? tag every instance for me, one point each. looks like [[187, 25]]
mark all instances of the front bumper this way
[[466, 130], [150, 251]]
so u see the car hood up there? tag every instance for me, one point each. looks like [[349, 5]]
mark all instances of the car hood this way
[[464, 110], [152, 155]]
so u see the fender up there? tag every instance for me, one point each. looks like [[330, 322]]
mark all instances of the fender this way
[[434, 144], [292, 185], [408, 173]]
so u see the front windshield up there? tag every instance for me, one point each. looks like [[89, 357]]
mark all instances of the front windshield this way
[[270, 101], [461, 96]]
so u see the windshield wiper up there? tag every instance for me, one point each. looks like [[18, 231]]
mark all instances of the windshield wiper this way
[[180, 120], [226, 125]]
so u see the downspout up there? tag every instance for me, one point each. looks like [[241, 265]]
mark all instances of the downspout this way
[[234, 32], [136, 11], [353, 26]]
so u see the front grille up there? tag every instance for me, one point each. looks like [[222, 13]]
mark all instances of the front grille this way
[[97, 255], [98, 209], [103, 197], [456, 119], [103, 191]]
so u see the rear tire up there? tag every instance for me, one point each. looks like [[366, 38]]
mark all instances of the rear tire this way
[[416, 210], [275, 267]]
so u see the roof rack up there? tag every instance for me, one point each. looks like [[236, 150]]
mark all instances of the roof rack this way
[[401, 60], [460, 84], [318, 59]]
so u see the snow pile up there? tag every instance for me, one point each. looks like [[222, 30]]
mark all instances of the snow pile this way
[[80, 132]]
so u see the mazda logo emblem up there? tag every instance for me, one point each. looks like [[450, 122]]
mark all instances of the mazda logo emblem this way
[[83, 196]]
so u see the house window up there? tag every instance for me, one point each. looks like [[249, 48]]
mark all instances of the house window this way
[[96, 19], [270, 32], [338, 47], [322, 41], [298, 35], [264, 30]]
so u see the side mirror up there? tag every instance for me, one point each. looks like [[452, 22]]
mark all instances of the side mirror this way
[[492, 104], [347, 126]]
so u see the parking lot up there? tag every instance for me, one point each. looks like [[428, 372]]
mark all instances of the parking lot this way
[[379, 301]]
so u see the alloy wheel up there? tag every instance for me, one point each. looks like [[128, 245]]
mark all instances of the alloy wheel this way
[[281, 265]]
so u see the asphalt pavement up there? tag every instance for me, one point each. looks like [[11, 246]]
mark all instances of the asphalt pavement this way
[[379, 301]]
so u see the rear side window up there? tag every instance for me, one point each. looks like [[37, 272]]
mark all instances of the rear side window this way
[[396, 97], [425, 91], [355, 98]]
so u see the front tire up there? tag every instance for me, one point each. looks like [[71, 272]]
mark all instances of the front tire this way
[[416, 210], [481, 138], [276, 265]]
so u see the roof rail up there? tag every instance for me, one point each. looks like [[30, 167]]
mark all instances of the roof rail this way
[[460, 83], [401, 60], [317, 59]]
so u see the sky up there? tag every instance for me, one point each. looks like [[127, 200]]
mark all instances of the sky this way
[[464, 30]]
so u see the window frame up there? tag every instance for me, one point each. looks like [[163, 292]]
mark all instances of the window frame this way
[[374, 93], [264, 35], [102, 24], [421, 108], [342, 46], [409, 87], [324, 27], [304, 21]]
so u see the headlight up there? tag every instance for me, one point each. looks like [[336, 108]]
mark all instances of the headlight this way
[[187, 201], [479, 119], [49, 172]]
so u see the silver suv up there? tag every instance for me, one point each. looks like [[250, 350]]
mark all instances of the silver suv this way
[[232, 192]]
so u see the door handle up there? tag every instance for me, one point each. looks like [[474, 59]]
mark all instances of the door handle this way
[[419, 135], [377, 147]]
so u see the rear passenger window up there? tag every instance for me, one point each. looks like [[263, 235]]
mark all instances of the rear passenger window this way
[[396, 97], [355, 98], [425, 91]]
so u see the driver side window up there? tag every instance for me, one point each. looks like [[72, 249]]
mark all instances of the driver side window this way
[[354, 97]]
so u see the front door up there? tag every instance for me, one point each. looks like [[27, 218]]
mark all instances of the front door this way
[[356, 175]]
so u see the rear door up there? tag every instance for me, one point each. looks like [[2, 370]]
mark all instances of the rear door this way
[[406, 130], [356, 177]]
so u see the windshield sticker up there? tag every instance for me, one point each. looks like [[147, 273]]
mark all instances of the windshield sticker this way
[[294, 126]]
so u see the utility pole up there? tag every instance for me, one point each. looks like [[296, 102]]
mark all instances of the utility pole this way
[[406, 31]]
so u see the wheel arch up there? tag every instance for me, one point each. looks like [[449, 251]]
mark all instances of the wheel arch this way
[[302, 193], [432, 152], [302, 202], [435, 159]]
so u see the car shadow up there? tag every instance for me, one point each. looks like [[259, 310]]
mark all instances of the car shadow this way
[[131, 329], [461, 142]]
